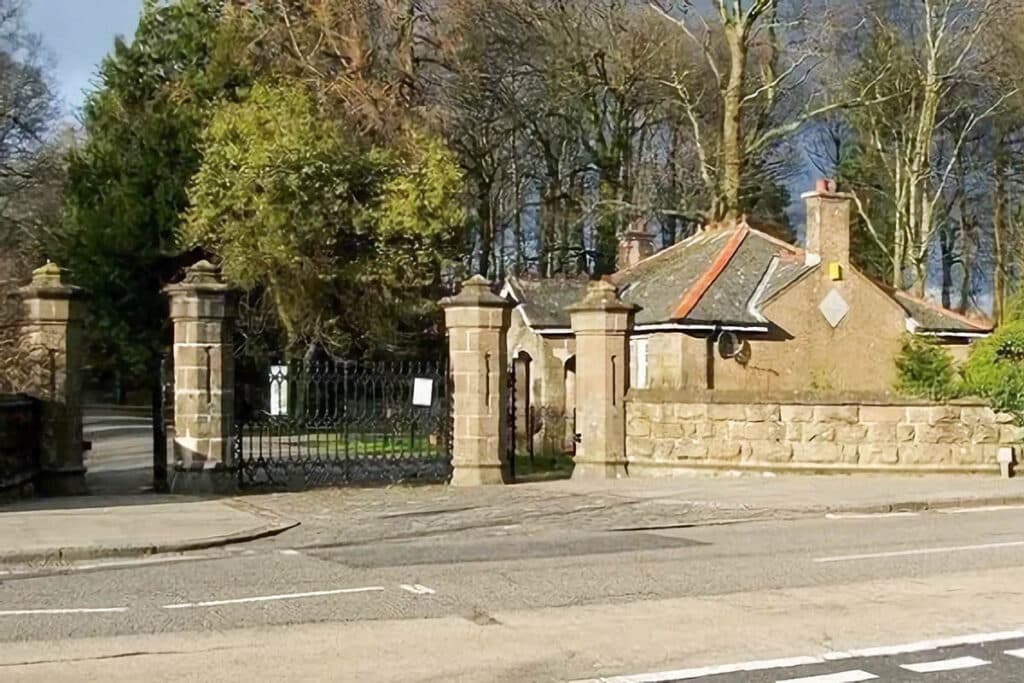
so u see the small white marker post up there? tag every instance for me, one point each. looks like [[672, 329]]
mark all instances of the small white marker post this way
[[1005, 459]]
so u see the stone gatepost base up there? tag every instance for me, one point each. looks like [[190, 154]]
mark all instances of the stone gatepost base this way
[[601, 469], [70, 482], [480, 475], [215, 481]]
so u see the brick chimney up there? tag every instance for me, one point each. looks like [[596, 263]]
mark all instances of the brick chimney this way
[[636, 245], [828, 223]]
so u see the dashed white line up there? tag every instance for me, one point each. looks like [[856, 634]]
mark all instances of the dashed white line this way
[[78, 610], [289, 551], [852, 676], [920, 551], [987, 508], [270, 598], [878, 515], [833, 656], [945, 665], [417, 589], [925, 645], [688, 674]]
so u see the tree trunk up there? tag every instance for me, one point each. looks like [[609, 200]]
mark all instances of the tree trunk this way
[[732, 105], [551, 235], [947, 244], [486, 218], [998, 237], [517, 223], [967, 246]]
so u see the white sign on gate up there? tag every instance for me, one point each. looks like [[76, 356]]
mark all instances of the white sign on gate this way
[[278, 389], [423, 392]]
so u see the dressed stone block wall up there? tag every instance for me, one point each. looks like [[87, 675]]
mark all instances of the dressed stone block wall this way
[[675, 431]]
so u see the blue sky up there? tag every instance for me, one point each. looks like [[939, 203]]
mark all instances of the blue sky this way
[[79, 33]]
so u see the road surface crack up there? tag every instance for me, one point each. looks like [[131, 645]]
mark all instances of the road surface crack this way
[[119, 655]]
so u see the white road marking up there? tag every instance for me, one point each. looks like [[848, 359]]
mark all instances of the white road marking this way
[[945, 665], [926, 645], [417, 589], [878, 515], [852, 676], [920, 551], [289, 551], [1019, 654], [80, 610], [988, 508], [687, 674], [270, 598], [834, 656]]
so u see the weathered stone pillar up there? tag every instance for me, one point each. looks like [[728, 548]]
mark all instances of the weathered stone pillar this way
[[477, 322], [53, 335], [202, 312], [601, 323]]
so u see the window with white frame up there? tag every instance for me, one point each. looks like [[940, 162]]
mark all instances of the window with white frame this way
[[638, 363]]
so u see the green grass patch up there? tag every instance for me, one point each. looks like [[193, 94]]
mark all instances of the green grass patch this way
[[543, 467]]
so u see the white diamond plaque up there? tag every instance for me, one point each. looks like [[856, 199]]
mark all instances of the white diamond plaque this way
[[834, 308]]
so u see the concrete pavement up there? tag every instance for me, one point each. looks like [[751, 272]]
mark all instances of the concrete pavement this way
[[93, 527], [351, 516]]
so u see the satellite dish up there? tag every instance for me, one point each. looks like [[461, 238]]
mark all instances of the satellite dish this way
[[731, 346], [728, 344]]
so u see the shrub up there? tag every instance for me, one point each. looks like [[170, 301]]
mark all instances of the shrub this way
[[926, 370], [995, 369]]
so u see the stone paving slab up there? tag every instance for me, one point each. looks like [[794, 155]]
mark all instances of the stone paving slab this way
[[103, 526], [355, 516], [117, 527]]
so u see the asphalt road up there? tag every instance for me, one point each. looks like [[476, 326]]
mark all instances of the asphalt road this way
[[544, 606]]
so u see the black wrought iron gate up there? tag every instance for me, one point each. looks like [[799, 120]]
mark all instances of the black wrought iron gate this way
[[344, 422]]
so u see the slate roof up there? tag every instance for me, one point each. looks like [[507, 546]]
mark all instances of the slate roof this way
[[544, 301], [721, 275], [657, 283], [931, 317]]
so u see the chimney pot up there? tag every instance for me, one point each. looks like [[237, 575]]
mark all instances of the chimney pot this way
[[825, 185], [828, 224], [636, 245]]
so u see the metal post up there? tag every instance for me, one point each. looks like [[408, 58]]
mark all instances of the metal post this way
[[159, 430], [513, 435]]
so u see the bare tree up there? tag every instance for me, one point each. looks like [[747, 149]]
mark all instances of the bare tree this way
[[747, 90], [30, 178], [922, 114]]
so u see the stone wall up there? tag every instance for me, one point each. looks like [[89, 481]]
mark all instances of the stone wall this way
[[19, 446], [675, 431]]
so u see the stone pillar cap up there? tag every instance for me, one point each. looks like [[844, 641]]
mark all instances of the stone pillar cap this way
[[602, 296], [202, 277], [476, 292], [51, 281]]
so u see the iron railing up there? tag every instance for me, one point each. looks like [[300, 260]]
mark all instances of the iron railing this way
[[19, 444], [344, 422]]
